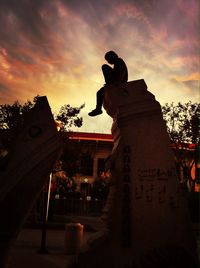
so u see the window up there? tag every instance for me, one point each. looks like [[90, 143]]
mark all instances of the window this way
[[86, 165]]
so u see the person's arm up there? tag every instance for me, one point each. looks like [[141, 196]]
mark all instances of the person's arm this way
[[120, 73]]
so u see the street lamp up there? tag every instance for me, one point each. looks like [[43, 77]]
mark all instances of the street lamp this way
[[43, 249]]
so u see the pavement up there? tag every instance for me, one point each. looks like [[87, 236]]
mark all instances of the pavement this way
[[25, 254]]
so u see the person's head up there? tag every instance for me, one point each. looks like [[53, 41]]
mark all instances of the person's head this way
[[111, 57]]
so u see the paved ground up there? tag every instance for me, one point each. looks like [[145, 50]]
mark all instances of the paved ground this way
[[24, 254], [25, 251]]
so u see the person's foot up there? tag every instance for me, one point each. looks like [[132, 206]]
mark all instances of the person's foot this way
[[95, 112]]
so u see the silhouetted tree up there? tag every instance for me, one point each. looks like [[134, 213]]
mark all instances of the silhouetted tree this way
[[182, 121], [69, 116], [183, 126], [11, 116], [12, 119]]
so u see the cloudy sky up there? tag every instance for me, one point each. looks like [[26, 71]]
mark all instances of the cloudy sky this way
[[56, 48]]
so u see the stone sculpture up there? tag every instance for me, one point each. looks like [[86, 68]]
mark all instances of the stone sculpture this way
[[35, 151], [147, 222]]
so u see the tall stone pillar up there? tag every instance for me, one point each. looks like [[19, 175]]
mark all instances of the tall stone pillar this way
[[22, 176], [146, 213]]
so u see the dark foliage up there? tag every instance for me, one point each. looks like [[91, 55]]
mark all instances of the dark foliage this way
[[183, 126], [11, 116], [183, 122], [69, 116], [100, 189], [12, 119]]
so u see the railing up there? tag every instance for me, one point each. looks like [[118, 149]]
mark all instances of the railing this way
[[81, 207]]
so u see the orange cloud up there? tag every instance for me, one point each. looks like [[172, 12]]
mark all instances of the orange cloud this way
[[189, 77], [56, 48]]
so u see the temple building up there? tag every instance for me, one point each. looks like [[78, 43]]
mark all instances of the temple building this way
[[96, 148]]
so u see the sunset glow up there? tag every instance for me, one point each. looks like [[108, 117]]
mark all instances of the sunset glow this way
[[56, 48]]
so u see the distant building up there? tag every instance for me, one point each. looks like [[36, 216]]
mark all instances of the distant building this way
[[99, 146], [96, 148]]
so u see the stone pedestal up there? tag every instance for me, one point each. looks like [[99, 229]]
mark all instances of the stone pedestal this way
[[146, 214], [73, 238]]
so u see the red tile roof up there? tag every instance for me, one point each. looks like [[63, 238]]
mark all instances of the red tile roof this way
[[108, 137], [90, 136]]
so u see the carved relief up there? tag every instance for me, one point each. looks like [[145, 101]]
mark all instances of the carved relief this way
[[126, 198]]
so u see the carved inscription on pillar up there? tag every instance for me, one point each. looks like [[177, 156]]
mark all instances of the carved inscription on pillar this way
[[152, 186], [126, 197]]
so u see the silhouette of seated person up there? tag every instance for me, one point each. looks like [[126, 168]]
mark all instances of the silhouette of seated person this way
[[113, 76]]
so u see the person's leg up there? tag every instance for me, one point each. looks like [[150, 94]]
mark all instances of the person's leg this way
[[99, 96], [107, 73], [108, 76]]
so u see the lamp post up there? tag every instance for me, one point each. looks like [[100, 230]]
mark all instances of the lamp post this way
[[43, 249]]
